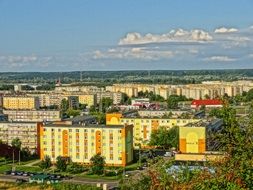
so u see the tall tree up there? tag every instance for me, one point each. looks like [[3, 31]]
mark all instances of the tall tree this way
[[16, 143], [98, 163], [45, 163], [166, 138]]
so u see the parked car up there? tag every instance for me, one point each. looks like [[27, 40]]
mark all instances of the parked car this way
[[168, 154]]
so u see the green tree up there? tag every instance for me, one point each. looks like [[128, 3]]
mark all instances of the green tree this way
[[106, 103], [166, 138], [64, 105], [97, 162], [61, 163], [173, 101], [45, 163], [75, 168], [74, 113], [16, 143], [249, 95]]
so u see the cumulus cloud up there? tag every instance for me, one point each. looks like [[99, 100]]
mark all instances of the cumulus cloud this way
[[219, 59], [139, 53], [179, 35], [223, 30]]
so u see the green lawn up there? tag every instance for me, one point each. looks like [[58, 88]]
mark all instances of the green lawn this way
[[132, 167]]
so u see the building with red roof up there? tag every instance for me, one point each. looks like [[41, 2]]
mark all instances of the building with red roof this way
[[207, 103]]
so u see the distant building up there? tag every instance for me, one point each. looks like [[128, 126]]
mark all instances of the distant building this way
[[73, 102], [27, 132], [88, 99], [115, 96], [33, 115], [20, 102], [18, 87], [207, 103]]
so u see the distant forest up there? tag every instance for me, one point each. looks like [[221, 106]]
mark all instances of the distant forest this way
[[138, 76]]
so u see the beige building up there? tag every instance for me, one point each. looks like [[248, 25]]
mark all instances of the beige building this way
[[26, 132], [33, 115]]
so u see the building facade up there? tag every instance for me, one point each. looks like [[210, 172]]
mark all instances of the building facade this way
[[81, 142], [144, 126], [33, 115], [88, 99], [26, 132], [20, 102]]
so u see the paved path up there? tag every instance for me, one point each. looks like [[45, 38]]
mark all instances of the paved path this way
[[33, 163]]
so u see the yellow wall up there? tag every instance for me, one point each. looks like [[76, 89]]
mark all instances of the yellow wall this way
[[192, 139], [81, 143], [19, 103], [89, 99], [144, 126]]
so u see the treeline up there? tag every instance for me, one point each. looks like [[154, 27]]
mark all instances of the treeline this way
[[141, 76]]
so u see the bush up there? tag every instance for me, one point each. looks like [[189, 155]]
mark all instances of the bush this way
[[75, 168]]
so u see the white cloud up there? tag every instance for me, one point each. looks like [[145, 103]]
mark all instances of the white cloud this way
[[219, 59], [225, 30], [251, 55], [138, 53], [19, 59], [179, 35]]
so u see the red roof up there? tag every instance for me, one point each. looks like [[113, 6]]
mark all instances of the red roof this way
[[206, 102]]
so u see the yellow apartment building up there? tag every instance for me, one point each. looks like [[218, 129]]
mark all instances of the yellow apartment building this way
[[20, 102], [81, 142], [144, 126], [89, 99]]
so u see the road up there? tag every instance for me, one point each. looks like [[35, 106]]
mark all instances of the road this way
[[74, 180]]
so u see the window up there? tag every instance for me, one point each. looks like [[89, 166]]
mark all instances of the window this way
[[77, 130], [70, 130], [59, 130]]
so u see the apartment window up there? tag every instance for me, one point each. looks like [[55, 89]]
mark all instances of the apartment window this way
[[85, 130], [70, 130], [119, 131], [44, 129], [52, 130], [59, 130], [77, 130]]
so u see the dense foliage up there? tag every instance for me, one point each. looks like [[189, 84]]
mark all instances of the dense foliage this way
[[97, 162], [165, 138], [45, 163]]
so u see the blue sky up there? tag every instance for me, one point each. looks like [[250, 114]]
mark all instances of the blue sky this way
[[64, 35]]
